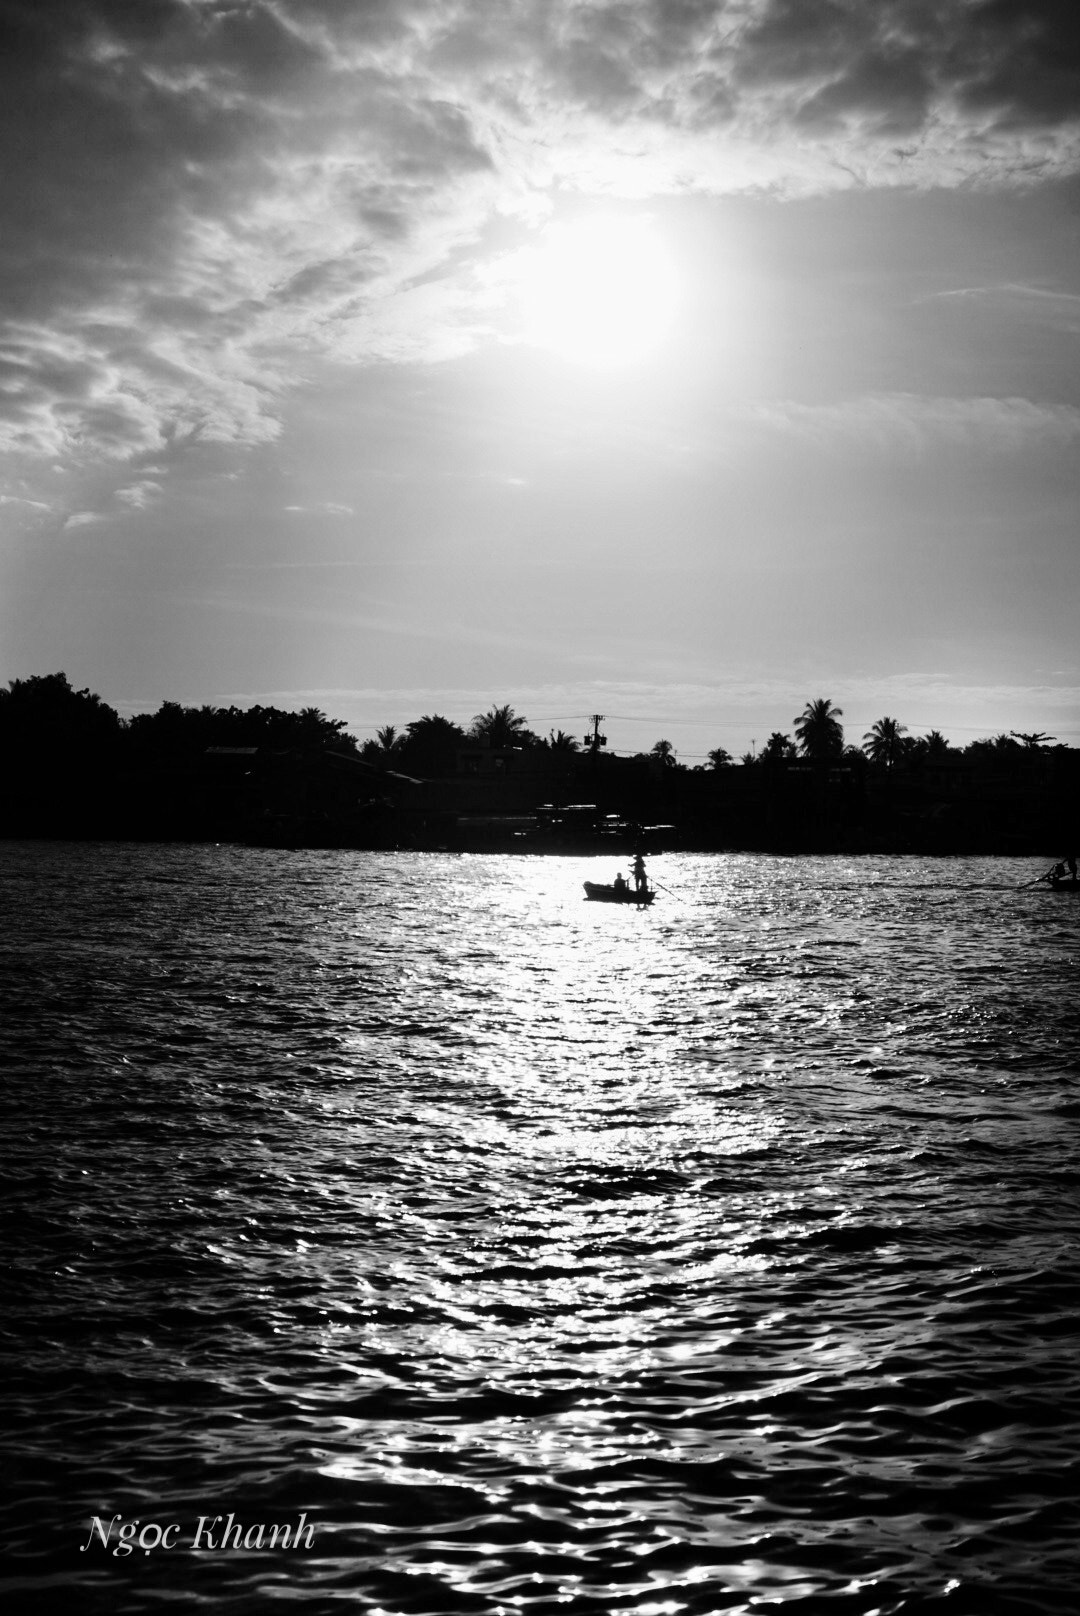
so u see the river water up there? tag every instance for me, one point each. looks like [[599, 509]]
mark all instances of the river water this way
[[519, 1254]]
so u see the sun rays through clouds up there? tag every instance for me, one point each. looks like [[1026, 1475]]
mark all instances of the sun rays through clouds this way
[[199, 196]]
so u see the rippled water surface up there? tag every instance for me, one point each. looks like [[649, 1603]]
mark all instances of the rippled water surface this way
[[552, 1257]]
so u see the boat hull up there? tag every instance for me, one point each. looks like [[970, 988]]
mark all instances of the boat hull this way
[[597, 892]]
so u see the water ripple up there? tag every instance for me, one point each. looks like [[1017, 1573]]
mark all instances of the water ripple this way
[[549, 1258]]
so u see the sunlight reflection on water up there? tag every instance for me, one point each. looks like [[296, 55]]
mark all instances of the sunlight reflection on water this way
[[552, 1257]]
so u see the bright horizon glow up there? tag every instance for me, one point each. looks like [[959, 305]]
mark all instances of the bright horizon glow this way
[[599, 291]]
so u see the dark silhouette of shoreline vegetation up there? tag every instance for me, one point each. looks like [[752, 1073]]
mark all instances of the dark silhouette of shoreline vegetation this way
[[75, 768]]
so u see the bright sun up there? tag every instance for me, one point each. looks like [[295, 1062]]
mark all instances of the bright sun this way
[[601, 291]]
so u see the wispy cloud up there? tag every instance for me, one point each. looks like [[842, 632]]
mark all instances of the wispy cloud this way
[[326, 508], [1039, 304], [138, 495], [19, 499], [911, 424], [196, 196]]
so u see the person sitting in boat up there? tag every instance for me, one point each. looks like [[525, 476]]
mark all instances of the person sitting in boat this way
[[640, 882], [620, 883], [1064, 870]]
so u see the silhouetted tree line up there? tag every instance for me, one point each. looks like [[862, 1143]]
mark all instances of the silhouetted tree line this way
[[187, 731], [819, 737], [429, 745], [43, 714], [73, 766]]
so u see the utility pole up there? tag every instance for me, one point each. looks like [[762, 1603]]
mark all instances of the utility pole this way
[[595, 741]]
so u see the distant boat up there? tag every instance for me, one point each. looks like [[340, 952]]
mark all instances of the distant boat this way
[[599, 893]]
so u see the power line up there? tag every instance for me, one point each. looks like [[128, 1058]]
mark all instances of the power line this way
[[735, 723]]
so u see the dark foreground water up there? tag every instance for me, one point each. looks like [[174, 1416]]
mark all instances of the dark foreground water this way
[[524, 1255]]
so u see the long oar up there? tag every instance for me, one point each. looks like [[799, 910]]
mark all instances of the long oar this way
[[1025, 884]]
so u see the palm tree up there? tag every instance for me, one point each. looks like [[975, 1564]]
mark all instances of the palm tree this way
[[665, 753], [384, 748], [718, 758], [818, 727], [883, 743], [1034, 740], [311, 727], [777, 748], [559, 741], [930, 748], [500, 726]]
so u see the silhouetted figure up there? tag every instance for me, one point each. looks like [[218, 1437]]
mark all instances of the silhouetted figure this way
[[620, 882], [640, 882]]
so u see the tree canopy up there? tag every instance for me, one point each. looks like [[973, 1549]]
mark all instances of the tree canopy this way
[[43, 712], [778, 748], [431, 744], [189, 730]]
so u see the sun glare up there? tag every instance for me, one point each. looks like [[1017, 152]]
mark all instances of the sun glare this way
[[600, 291]]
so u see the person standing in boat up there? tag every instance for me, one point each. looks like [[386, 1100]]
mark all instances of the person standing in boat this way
[[640, 881]]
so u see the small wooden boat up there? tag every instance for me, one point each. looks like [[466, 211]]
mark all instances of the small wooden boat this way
[[600, 893], [1067, 883]]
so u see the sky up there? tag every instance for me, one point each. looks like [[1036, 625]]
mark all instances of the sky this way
[[676, 360]]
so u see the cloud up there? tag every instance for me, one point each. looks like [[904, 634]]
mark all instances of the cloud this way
[[326, 508], [19, 499], [198, 194], [138, 495], [1039, 305], [912, 424]]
